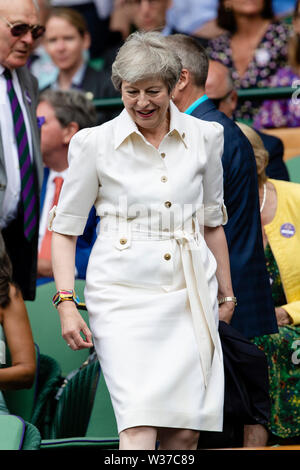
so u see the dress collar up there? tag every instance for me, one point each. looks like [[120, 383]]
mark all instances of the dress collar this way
[[126, 126]]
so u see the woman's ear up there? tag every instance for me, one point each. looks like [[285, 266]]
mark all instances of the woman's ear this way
[[69, 131]]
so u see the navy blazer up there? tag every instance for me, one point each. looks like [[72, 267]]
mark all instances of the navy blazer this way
[[255, 313], [84, 243]]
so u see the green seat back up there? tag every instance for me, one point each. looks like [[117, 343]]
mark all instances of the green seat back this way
[[12, 430], [102, 421], [46, 328], [293, 166]]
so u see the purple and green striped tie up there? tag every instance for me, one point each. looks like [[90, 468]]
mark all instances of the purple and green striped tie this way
[[26, 169]]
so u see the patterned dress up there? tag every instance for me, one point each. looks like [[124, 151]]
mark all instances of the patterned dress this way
[[270, 55], [283, 354], [284, 112]]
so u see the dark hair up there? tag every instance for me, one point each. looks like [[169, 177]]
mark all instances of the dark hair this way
[[226, 19], [5, 274], [71, 106]]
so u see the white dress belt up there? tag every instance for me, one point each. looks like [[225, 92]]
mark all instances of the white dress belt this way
[[196, 282]]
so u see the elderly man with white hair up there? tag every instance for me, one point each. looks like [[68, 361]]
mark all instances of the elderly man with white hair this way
[[21, 163]]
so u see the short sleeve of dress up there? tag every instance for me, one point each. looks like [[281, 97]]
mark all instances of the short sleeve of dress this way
[[80, 188], [214, 209]]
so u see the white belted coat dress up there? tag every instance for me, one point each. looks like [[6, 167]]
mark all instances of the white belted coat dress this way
[[151, 289]]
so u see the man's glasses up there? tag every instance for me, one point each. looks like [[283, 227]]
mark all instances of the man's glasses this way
[[20, 29]]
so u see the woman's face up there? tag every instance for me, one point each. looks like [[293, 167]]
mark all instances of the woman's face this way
[[147, 102], [245, 7], [64, 44]]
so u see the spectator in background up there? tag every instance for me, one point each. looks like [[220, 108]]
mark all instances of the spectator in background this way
[[280, 217], [21, 162], [15, 334], [66, 40], [97, 16], [254, 46], [284, 112], [64, 113], [130, 15], [193, 17], [219, 88]]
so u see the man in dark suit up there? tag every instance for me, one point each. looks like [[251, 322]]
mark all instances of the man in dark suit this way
[[20, 148], [62, 114], [219, 88], [254, 314]]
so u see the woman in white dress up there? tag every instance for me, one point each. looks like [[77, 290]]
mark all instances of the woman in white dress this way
[[160, 262]]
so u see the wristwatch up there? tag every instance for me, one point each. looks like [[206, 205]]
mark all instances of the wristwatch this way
[[222, 300]]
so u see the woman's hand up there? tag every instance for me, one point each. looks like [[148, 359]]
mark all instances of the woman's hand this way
[[282, 317], [226, 310], [72, 324]]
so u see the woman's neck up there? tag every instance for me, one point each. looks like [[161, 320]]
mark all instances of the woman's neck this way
[[250, 26], [156, 135], [65, 77]]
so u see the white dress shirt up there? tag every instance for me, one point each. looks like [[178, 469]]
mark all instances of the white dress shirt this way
[[12, 193]]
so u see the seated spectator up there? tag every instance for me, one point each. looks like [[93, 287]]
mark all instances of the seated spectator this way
[[193, 17], [253, 47], [97, 16], [219, 88], [15, 333], [280, 218], [130, 15], [284, 112], [67, 41], [64, 113]]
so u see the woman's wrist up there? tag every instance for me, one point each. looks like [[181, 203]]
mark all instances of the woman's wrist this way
[[224, 299], [63, 296]]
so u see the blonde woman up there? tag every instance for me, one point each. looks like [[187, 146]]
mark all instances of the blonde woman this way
[[280, 218]]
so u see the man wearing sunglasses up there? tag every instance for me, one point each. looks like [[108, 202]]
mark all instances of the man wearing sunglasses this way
[[21, 168]]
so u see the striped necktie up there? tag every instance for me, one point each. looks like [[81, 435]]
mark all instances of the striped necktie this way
[[29, 199]]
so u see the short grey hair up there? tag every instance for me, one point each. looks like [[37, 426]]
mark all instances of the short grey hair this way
[[193, 56], [71, 106], [146, 55]]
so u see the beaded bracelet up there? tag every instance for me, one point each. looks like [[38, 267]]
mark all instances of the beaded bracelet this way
[[64, 295]]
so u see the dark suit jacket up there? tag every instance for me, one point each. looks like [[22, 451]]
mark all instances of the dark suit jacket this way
[[98, 85], [254, 314], [276, 168], [23, 254], [84, 243]]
